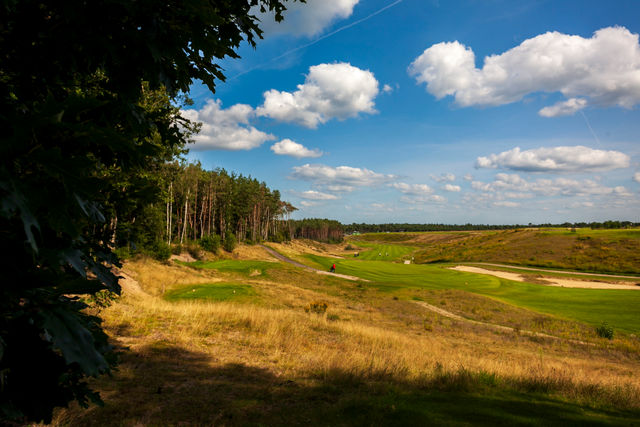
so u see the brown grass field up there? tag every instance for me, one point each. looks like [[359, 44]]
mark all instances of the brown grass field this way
[[372, 358]]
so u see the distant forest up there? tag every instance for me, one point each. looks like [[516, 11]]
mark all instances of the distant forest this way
[[393, 227]]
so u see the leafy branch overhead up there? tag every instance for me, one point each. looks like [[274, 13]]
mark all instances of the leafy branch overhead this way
[[90, 103]]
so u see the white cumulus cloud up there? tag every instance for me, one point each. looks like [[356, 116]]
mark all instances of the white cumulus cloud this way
[[548, 187], [315, 195], [306, 19], [452, 188], [605, 69], [330, 91], [636, 177], [287, 147], [225, 129], [556, 159], [564, 108], [507, 204], [344, 176], [445, 177], [412, 189]]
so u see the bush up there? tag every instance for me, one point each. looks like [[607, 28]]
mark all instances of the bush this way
[[279, 237], [123, 253], [316, 307], [160, 250], [350, 248], [176, 249], [230, 242], [193, 250], [605, 331], [210, 243], [102, 299]]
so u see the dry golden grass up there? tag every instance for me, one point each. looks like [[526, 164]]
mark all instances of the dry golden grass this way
[[363, 337]]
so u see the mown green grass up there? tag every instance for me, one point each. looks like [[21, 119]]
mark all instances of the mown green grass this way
[[619, 308], [213, 292], [236, 266], [385, 252], [556, 273]]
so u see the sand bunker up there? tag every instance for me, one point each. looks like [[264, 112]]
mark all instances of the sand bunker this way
[[550, 281]]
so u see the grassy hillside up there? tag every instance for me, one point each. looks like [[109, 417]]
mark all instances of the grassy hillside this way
[[593, 306], [612, 251], [194, 352]]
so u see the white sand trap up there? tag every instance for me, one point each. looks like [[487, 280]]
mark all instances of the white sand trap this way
[[551, 281]]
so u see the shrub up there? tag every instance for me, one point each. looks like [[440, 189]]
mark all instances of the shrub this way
[[279, 237], [123, 253], [316, 307], [350, 248], [102, 299], [210, 243], [176, 249], [193, 250], [605, 331], [230, 242], [160, 250]]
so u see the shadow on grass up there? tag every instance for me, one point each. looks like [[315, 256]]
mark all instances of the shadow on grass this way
[[166, 385]]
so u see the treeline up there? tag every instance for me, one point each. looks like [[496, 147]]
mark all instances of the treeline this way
[[193, 204], [396, 227], [323, 230]]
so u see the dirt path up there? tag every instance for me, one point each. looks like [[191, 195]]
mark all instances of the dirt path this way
[[306, 267], [548, 281], [454, 316], [577, 273]]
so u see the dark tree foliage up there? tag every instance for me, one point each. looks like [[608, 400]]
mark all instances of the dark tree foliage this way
[[196, 204], [323, 230], [79, 128]]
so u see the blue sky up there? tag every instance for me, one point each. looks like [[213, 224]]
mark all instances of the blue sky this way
[[423, 111]]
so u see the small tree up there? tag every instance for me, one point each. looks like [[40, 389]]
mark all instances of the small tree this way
[[230, 242], [210, 243]]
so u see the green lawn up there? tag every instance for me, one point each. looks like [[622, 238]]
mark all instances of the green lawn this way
[[246, 267], [384, 252], [620, 308], [213, 291]]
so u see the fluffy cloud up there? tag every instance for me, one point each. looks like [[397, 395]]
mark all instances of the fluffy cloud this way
[[340, 188], [432, 198], [412, 189], [556, 159], [225, 129], [445, 177], [330, 91], [315, 195], [636, 177], [549, 187], [452, 188], [604, 68], [507, 204], [344, 176], [306, 19], [564, 108], [288, 147]]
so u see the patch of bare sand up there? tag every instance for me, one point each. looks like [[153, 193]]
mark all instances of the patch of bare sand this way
[[548, 281]]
